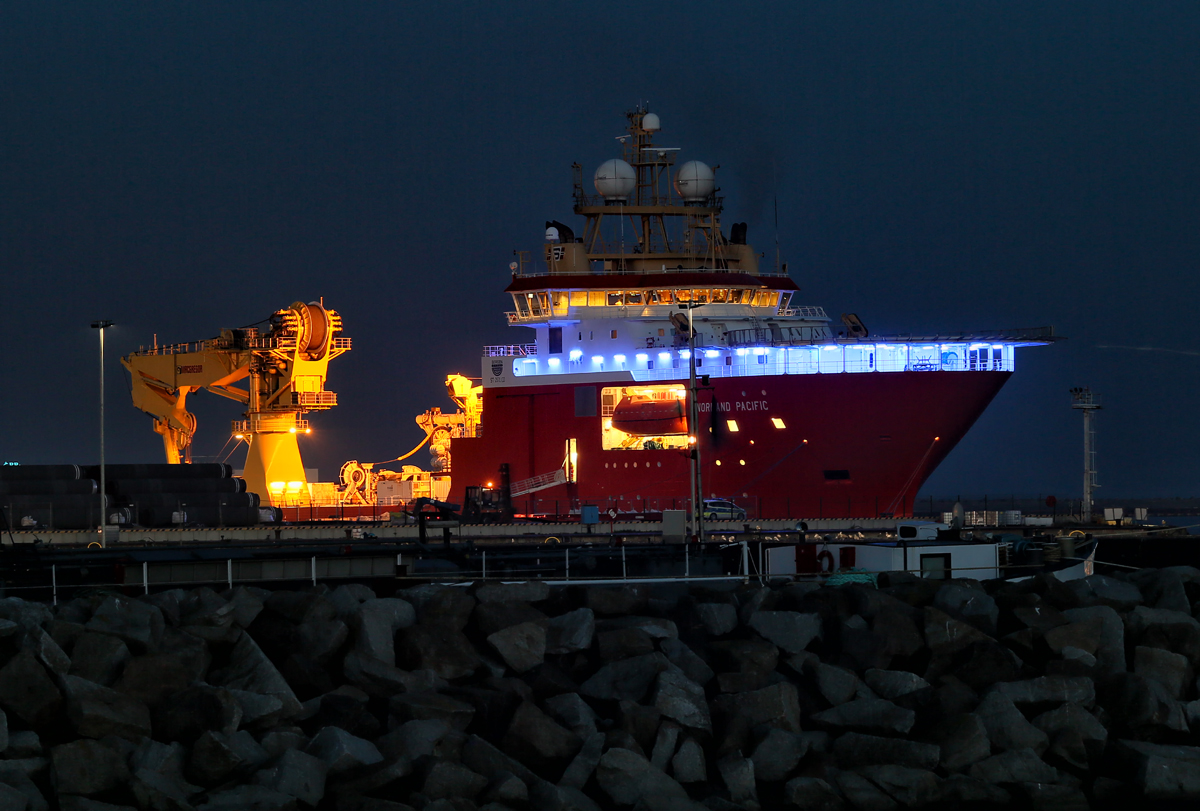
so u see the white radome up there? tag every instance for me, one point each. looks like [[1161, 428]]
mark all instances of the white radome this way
[[614, 179], [695, 181], [650, 122]]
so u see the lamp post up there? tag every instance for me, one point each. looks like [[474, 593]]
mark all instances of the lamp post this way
[[693, 429], [102, 325]]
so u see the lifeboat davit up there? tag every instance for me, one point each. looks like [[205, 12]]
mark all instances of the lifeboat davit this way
[[646, 415]]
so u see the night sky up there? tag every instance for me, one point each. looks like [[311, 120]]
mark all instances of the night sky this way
[[179, 167]]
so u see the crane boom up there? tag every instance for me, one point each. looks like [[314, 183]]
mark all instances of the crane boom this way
[[285, 370]]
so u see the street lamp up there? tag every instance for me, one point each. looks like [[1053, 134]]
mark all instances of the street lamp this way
[[693, 428], [102, 325]]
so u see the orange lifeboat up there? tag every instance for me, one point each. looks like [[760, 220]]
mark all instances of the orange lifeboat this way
[[650, 415]]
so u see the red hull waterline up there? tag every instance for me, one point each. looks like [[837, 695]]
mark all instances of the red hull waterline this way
[[783, 446]]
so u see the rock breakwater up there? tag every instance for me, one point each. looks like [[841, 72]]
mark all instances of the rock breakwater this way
[[916, 694]]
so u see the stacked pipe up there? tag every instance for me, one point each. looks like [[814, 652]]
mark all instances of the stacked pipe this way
[[49, 496], [150, 495]]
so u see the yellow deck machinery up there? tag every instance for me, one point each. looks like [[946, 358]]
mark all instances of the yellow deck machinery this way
[[285, 367]]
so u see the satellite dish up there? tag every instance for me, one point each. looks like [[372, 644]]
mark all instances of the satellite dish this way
[[650, 122], [552, 234], [512, 266]]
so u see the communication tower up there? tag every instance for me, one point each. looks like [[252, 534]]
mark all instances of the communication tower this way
[[1085, 401]]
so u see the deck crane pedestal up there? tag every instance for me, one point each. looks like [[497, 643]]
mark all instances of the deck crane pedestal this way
[[285, 369]]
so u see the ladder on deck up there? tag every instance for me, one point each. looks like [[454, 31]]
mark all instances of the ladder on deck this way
[[535, 483]]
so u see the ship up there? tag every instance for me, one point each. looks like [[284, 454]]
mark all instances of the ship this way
[[669, 364]]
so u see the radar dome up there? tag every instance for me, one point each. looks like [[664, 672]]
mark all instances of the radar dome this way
[[694, 181], [614, 179], [650, 122]]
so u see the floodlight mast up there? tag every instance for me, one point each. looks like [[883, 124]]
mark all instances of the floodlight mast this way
[[102, 325], [693, 431], [1085, 401]]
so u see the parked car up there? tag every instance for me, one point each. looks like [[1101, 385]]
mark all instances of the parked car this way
[[720, 509]]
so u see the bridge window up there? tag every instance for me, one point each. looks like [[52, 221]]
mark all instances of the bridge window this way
[[597, 298], [579, 298]]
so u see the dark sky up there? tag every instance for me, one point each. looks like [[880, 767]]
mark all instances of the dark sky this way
[[179, 167]]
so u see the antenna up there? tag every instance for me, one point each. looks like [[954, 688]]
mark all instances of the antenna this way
[[1085, 401], [775, 194]]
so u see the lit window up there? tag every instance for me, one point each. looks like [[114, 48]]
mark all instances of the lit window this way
[[733, 426], [553, 361], [684, 353], [661, 333], [778, 423], [613, 334], [711, 353]]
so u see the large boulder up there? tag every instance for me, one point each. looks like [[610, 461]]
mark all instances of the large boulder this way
[[717, 619], [854, 749], [790, 630], [1171, 670], [439, 647], [99, 657], [1050, 690], [522, 647], [138, 624], [1110, 643], [340, 751], [870, 715], [628, 778], [1015, 766], [571, 632], [531, 591], [217, 756], [296, 774], [678, 697], [777, 754], [627, 679], [97, 711], [892, 684], [376, 623], [1007, 728], [970, 605], [249, 669], [537, 741], [87, 767], [1098, 589], [1163, 772], [964, 740], [28, 691]]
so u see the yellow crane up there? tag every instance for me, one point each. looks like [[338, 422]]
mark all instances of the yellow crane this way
[[285, 368]]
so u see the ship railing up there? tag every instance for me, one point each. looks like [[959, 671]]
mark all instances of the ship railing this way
[[1018, 336], [510, 350], [247, 342], [803, 312], [545, 271]]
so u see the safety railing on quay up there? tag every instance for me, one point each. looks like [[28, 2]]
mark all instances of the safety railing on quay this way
[[748, 561]]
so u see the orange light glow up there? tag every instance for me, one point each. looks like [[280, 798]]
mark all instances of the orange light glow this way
[[489, 484]]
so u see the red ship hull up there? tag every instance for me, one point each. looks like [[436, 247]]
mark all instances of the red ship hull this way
[[805, 446]]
